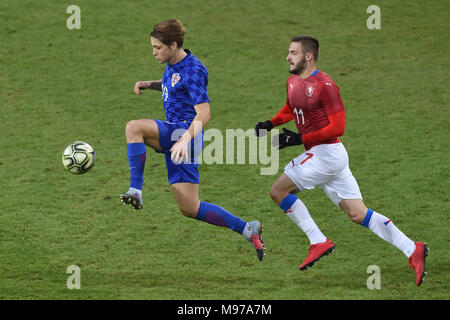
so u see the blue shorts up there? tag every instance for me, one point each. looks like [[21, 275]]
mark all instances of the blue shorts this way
[[187, 171]]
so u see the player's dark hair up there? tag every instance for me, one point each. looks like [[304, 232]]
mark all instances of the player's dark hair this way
[[169, 31], [309, 44]]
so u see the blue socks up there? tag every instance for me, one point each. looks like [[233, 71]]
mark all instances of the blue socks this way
[[136, 160], [218, 216]]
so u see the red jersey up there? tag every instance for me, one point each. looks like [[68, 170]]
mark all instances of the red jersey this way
[[316, 106]]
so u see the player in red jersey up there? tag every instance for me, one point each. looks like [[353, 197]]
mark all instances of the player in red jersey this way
[[314, 103]]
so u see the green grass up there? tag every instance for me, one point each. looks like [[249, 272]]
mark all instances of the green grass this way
[[59, 85]]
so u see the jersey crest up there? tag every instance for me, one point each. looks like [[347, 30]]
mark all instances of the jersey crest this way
[[309, 90], [175, 78]]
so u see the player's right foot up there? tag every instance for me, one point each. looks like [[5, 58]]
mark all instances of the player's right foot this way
[[417, 261], [317, 251], [133, 198], [255, 238]]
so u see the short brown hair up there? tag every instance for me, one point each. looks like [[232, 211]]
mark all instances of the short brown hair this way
[[169, 31], [309, 44]]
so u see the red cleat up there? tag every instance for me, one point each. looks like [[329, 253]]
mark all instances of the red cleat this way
[[417, 261], [317, 251]]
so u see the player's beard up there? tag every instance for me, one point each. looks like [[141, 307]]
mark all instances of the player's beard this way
[[299, 67]]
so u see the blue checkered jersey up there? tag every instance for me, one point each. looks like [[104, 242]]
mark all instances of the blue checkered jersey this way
[[183, 86]]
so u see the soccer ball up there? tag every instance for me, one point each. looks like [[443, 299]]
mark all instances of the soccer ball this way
[[78, 157]]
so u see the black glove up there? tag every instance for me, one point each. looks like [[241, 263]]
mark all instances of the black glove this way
[[267, 125], [286, 139]]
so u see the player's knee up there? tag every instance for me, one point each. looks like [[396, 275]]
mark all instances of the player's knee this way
[[273, 193], [132, 127], [135, 131]]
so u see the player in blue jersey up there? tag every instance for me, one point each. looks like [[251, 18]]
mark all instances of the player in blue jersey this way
[[180, 136]]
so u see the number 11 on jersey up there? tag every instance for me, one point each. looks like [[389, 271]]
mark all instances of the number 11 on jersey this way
[[297, 113]]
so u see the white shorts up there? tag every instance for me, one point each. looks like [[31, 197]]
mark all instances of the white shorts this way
[[326, 166]]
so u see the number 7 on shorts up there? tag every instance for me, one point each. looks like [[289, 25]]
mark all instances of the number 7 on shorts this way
[[309, 156]]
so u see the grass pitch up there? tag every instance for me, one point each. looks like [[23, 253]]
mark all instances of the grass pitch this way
[[59, 85]]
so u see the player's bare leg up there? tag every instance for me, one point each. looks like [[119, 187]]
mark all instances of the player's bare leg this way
[[385, 229], [355, 209], [281, 188], [138, 134], [143, 130], [282, 194], [187, 198]]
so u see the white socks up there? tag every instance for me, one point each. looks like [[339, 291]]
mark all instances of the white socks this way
[[300, 216], [386, 230], [379, 224]]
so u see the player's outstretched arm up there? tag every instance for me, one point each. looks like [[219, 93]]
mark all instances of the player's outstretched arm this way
[[141, 85]]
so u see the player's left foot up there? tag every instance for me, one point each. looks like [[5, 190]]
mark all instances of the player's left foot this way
[[317, 251], [417, 261], [133, 198], [255, 238]]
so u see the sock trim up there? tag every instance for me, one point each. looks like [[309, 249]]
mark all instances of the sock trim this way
[[135, 149], [366, 220], [201, 214], [287, 202]]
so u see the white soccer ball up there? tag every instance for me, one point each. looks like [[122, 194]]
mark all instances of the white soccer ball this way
[[78, 157]]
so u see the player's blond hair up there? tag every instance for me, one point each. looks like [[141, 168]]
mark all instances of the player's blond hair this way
[[169, 31]]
